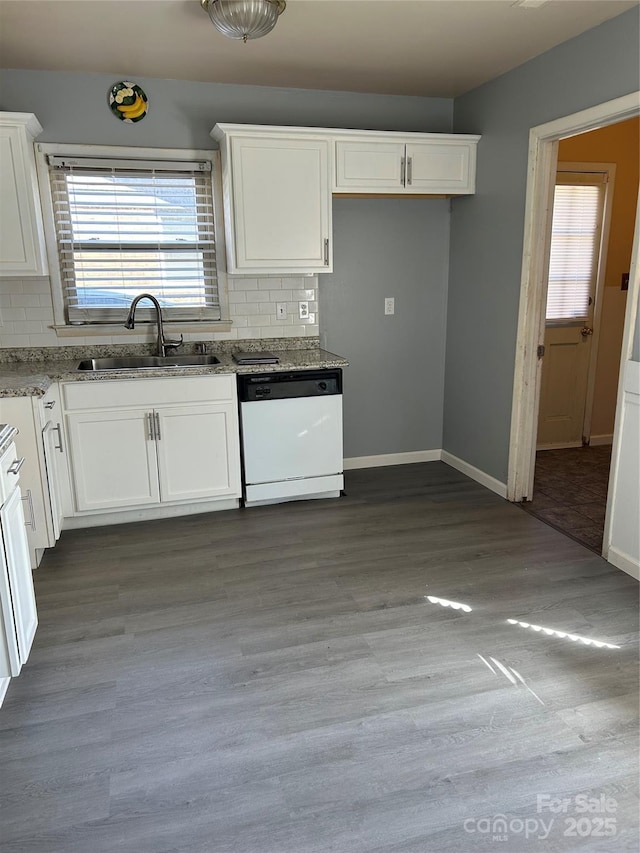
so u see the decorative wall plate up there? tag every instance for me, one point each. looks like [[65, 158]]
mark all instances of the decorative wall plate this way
[[128, 101]]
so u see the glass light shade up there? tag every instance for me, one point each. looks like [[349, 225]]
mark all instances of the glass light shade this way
[[244, 19]]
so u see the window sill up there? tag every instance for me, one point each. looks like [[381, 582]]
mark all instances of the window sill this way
[[85, 330]]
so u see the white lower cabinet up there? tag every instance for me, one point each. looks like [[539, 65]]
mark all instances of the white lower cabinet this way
[[18, 614], [182, 446], [44, 475], [113, 460], [193, 453]]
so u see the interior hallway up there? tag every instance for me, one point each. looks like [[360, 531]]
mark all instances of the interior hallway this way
[[570, 492], [289, 680]]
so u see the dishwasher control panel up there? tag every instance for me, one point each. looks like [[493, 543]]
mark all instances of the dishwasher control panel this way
[[289, 385]]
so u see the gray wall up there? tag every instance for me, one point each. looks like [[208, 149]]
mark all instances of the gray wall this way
[[382, 247], [394, 384], [487, 229], [73, 108]]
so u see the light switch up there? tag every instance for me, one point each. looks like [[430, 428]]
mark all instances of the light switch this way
[[389, 305], [281, 310]]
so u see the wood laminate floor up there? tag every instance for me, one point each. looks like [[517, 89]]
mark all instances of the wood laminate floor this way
[[277, 680]]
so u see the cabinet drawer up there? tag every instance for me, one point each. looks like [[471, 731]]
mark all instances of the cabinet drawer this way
[[8, 481], [148, 392]]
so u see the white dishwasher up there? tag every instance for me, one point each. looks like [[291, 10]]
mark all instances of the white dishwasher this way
[[291, 425]]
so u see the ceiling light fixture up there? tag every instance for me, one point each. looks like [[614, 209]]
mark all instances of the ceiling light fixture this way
[[244, 19]]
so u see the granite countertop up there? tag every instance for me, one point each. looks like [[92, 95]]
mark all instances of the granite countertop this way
[[33, 378]]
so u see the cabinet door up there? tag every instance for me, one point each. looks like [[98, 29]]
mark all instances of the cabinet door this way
[[369, 166], [281, 205], [21, 236], [198, 452], [18, 566], [113, 459], [441, 167], [52, 445]]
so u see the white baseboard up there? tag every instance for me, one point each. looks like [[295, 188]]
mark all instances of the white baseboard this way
[[624, 561], [392, 459], [475, 473], [596, 440], [4, 686], [148, 514], [428, 456]]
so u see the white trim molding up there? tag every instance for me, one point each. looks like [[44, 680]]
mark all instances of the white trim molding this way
[[412, 457], [475, 473], [597, 440], [543, 156], [624, 562], [385, 459]]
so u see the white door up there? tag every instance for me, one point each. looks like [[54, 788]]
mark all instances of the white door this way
[[574, 265], [369, 166], [282, 201], [290, 439], [198, 452], [18, 566], [113, 459]]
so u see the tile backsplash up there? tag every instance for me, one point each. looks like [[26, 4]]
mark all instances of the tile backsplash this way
[[26, 313]]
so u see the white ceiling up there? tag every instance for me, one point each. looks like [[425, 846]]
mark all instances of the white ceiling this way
[[412, 47]]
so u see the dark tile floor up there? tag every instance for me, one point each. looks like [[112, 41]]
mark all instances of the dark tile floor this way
[[570, 492]]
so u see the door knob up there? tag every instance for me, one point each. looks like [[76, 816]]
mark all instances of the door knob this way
[[585, 331]]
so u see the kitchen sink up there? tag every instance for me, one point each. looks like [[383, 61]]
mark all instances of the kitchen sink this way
[[147, 362]]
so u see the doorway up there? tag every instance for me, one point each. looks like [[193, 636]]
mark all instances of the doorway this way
[[581, 454]]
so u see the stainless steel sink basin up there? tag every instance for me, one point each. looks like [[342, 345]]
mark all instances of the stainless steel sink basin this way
[[147, 362]]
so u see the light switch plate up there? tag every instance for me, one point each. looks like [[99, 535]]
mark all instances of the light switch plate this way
[[281, 310]]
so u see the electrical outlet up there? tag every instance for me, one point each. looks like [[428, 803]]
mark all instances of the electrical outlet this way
[[389, 305], [303, 310], [281, 310]]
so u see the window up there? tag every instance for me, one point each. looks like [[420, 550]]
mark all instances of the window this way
[[576, 231], [125, 227]]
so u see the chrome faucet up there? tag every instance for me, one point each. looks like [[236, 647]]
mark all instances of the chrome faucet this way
[[163, 344]]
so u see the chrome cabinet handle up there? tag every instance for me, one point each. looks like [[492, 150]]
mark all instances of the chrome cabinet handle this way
[[403, 167], [409, 170], [50, 404], [29, 501], [326, 252], [15, 466], [149, 417], [57, 428], [157, 419]]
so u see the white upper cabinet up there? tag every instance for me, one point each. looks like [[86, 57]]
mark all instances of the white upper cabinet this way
[[420, 163], [277, 199], [22, 247]]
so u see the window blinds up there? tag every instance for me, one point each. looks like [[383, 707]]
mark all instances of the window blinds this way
[[128, 227], [575, 245]]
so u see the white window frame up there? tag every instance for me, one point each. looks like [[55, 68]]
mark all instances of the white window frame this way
[[44, 150]]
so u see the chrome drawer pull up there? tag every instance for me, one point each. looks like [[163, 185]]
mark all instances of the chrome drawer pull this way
[[158, 433], [50, 404], [15, 466], [59, 447], [29, 501]]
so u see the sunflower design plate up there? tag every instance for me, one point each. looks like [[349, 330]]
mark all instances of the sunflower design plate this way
[[128, 101]]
